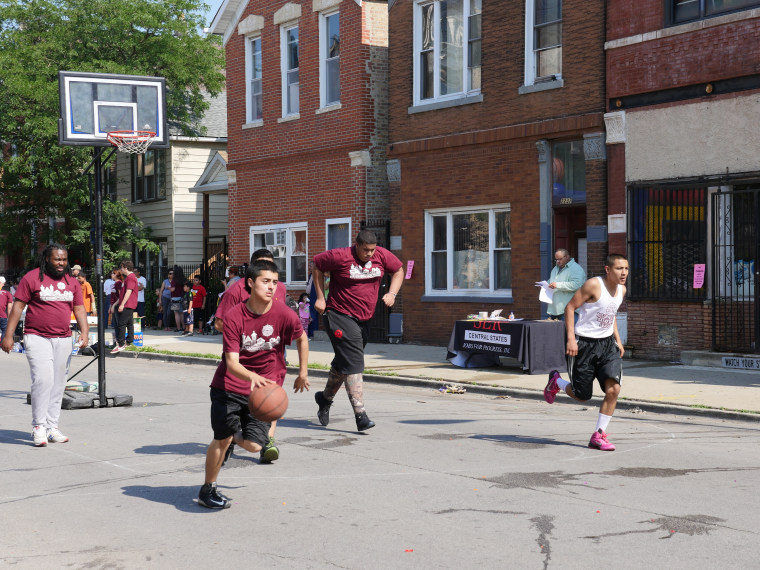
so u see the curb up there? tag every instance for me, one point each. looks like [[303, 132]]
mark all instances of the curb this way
[[626, 405]]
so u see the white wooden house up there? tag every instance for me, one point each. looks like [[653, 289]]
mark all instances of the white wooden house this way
[[169, 190]]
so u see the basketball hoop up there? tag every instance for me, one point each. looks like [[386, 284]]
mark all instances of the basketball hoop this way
[[134, 142]]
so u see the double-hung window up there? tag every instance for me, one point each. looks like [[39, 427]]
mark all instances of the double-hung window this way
[[254, 98], [329, 56], [447, 36], [469, 251], [288, 244], [149, 176], [290, 95], [543, 41]]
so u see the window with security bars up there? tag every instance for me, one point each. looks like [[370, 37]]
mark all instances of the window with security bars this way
[[667, 237]]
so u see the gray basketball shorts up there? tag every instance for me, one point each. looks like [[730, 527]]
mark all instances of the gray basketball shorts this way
[[597, 358]]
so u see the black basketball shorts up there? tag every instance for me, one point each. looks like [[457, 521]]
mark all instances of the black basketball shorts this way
[[597, 358], [348, 337], [230, 413]]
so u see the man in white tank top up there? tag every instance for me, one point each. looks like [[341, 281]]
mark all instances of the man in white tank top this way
[[594, 348]]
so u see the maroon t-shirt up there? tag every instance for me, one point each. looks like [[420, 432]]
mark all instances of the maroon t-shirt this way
[[5, 298], [354, 285], [49, 303], [130, 282], [237, 294], [260, 342]]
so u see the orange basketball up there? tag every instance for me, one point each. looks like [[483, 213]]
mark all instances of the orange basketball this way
[[268, 403]]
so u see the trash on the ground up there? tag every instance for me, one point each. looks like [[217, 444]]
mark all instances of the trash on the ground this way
[[503, 397], [636, 410], [452, 389]]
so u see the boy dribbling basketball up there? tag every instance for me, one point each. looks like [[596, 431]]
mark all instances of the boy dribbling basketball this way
[[255, 335]]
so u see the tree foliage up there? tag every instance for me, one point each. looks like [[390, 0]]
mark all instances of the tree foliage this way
[[41, 180]]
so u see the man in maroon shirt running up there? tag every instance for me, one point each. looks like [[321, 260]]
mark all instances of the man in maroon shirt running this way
[[126, 306], [355, 276]]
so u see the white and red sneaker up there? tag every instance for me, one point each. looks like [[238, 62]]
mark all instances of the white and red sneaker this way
[[40, 436], [55, 436], [599, 441]]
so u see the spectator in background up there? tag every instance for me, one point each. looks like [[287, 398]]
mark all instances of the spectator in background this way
[[566, 278], [159, 311], [75, 270], [165, 295], [125, 308], [311, 291], [199, 303], [6, 302], [178, 290], [232, 276], [108, 286], [118, 283], [141, 285], [87, 295]]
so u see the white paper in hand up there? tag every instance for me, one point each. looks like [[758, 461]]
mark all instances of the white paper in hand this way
[[546, 293]]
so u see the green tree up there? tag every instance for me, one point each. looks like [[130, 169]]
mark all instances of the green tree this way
[[41, 181]]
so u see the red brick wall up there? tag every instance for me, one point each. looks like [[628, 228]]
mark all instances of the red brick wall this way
[[710, 54], [502, 72], [473, 176], [646, 319], [300, 170], [630, 17]]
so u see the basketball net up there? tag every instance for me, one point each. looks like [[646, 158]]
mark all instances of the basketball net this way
[[134, 142]]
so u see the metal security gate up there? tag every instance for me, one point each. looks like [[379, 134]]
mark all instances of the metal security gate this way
[[735, 271]]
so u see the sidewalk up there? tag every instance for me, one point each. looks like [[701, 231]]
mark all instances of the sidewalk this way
[[647, 385]]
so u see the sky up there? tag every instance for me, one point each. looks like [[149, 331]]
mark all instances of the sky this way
[[211, 12]]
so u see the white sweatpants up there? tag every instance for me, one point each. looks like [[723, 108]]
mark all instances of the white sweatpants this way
[[48, 362]]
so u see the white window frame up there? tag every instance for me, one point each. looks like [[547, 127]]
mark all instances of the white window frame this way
[[289, 229], [249, 55], [334, 222], [530, 53], [467, 91], [284, 29], [450, 291], [323, 57]]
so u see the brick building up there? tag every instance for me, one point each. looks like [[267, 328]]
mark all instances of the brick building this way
[[307, 126], [683, 87], [496, 152]]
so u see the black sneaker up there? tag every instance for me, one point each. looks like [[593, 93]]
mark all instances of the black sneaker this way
[[363, 422], [323, 414], [229, 451], [210, 497], [270, 452]]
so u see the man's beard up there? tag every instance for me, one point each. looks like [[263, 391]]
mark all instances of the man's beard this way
[[52, 271]]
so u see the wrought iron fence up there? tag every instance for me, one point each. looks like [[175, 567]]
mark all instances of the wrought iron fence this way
[[736, 247]]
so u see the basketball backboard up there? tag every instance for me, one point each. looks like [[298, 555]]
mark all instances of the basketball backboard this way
[[93, 104]]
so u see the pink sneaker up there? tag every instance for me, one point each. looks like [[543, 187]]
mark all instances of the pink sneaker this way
[[599, 441], [551, 390]]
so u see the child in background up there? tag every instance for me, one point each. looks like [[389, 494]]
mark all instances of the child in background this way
[[304, 311], [159, 311], [187, 308]]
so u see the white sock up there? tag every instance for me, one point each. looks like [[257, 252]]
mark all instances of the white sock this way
[[562, 383], [603, 422]]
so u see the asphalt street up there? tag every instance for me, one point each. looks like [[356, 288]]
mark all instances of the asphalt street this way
[[444, 481]]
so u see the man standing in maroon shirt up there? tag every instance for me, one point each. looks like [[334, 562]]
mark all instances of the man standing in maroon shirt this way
[[126, 306], [355, 276], [49, 294]]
